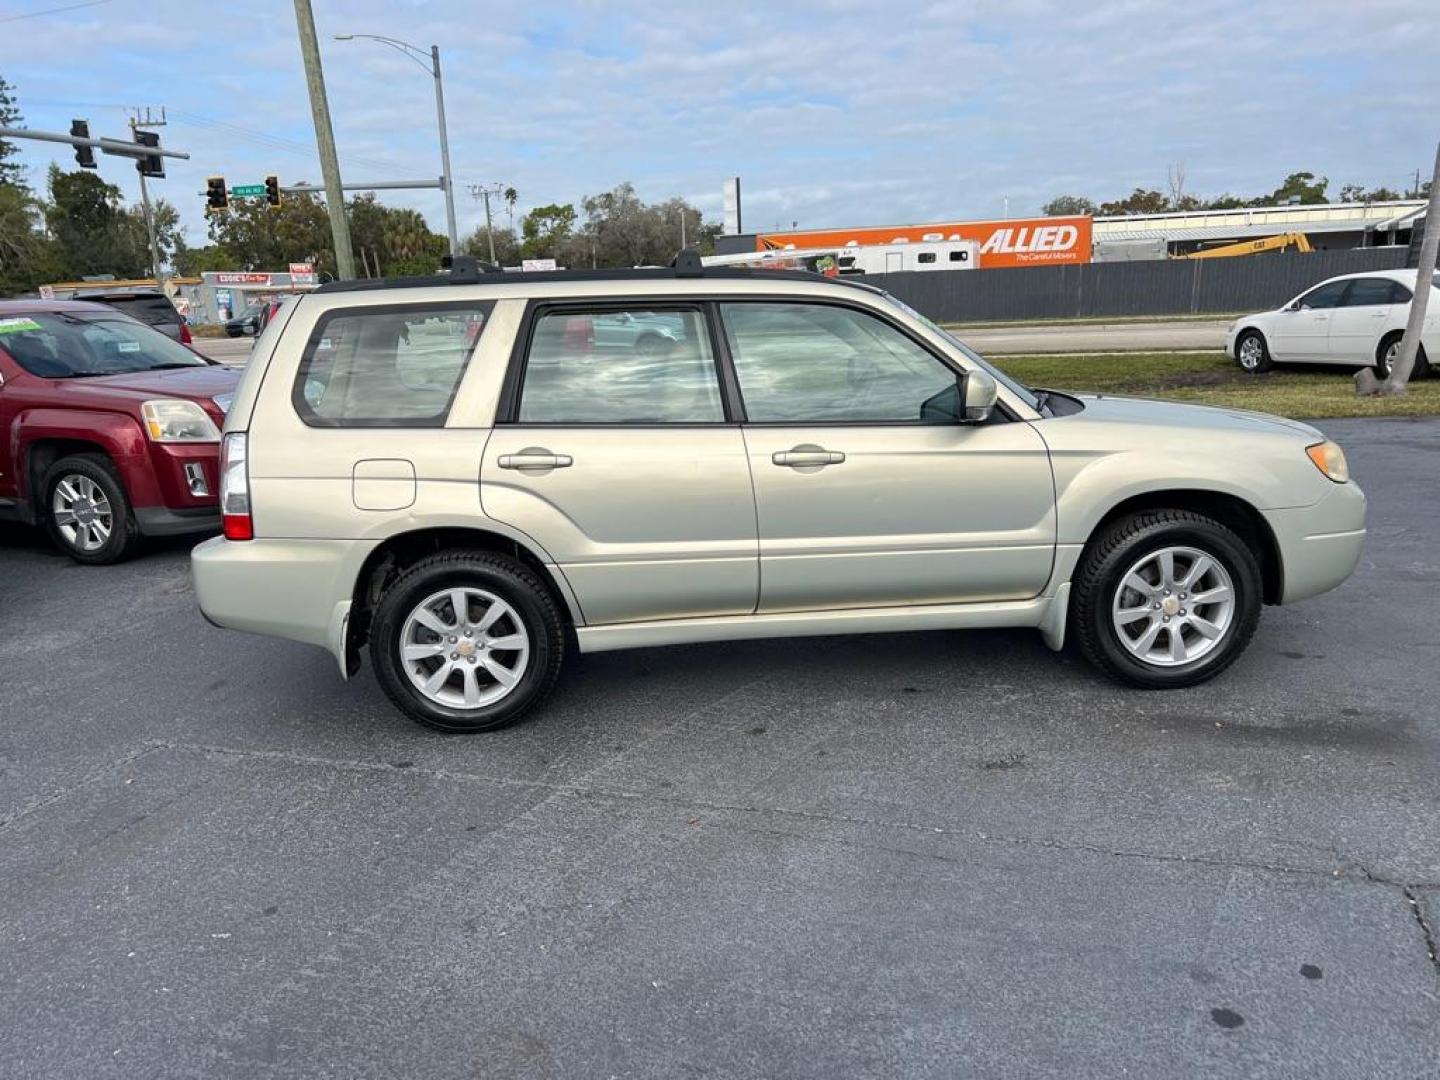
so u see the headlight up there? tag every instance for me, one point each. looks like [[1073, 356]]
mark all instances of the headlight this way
[[178, 421], [1330, 460]]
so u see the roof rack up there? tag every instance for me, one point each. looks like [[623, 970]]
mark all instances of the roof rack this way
[[465, 270]]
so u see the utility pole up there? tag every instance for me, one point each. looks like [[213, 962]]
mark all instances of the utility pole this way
[[682, 229], [149, 122], [482, 193], [445, 153], [325, 140]]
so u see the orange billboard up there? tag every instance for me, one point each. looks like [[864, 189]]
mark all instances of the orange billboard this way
[[1042, 241]]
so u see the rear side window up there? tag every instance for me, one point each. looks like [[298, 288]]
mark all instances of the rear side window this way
[[633, 366], [395, 366], [1367, 292], [1399, 294], [151, 310]]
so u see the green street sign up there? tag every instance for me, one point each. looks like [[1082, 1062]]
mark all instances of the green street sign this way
[[244, 191]]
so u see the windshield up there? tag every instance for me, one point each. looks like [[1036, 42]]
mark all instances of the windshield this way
[[67, 345], [1019, 389]]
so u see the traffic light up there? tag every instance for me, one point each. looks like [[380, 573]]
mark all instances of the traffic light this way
[[150, 164], [84, 155], [272, 190], [217, 196]]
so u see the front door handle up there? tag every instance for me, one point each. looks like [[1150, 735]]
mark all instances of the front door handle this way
[[807, 456], [536, 457]]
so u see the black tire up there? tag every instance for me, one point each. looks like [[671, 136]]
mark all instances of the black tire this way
[[1382, 359], [74, 535], [1263, 363], [1107, 559], [506, 578]]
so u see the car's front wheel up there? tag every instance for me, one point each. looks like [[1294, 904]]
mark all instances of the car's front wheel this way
[[1252, 354], [1166, 598], [86, 510], [1389, 352], [467, 641]]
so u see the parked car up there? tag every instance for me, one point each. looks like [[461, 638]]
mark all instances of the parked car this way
[[111, 430], [810, 456], [247, 323], [1355, 320], [152, 307]]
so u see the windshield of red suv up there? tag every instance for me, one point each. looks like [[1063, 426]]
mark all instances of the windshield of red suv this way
[[68, 345]]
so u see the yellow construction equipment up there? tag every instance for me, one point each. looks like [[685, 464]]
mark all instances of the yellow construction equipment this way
[[1299, 241]]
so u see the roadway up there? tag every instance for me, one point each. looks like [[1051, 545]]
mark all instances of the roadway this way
[[919, 855]]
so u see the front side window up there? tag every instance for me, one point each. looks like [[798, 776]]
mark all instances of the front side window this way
[[819, 363], [1326, 296], [633, 366], [74, 345], [386, 366], [1367, 292]]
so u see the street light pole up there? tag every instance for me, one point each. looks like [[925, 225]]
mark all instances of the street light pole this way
[[447, 180], [325, 140], [444, 149]]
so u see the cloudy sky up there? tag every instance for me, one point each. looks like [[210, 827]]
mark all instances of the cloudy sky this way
[[833, 112]]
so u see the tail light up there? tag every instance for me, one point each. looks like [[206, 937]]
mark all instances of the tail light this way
[[186, 338], [235, 488]]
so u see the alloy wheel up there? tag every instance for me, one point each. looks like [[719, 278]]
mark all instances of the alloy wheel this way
[[82, 512], [1251, 353], [464, 648], [1173, 606]]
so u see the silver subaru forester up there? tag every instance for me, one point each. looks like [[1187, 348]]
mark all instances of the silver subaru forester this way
[[475, 473]]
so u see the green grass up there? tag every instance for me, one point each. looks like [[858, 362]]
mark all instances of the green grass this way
[[1210, 378]]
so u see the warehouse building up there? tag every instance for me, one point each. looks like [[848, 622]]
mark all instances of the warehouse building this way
[[1327, 227]]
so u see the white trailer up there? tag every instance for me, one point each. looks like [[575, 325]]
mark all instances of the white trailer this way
[[899, 255]]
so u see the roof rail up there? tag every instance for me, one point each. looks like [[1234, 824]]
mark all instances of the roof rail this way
[[467, 270]]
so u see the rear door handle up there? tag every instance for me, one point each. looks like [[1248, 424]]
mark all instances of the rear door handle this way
[[799, 458], [531, 458]]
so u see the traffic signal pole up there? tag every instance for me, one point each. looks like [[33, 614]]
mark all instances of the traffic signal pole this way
[[325, 140]]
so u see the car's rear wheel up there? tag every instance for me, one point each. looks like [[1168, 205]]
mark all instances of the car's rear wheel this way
[[1389, 351], [1252, 354], [1166, 598], [86, 511], [467, 641]]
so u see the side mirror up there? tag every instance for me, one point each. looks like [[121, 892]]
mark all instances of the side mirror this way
[[978, 393], [1293, 306]]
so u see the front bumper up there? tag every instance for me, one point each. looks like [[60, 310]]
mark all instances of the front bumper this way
[[1319, 544]]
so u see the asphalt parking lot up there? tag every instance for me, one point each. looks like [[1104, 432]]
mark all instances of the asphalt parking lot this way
[[946, 854]]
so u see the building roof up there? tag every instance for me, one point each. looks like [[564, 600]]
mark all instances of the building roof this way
[[1258, 221]]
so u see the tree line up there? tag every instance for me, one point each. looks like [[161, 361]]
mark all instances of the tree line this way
[[80, 226], [1303, 187]]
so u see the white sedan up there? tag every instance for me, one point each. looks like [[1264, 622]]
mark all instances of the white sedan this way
[[1354, 319]]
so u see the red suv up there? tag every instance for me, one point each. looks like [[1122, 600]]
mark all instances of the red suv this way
[[109, 430]]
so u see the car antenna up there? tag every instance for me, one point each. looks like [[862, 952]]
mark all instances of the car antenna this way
[[466, 266], [687, 263]]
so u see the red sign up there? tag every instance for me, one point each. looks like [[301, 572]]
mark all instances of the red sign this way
[[1023, 242]]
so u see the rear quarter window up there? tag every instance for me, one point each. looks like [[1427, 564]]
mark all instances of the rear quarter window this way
[[391, 366]]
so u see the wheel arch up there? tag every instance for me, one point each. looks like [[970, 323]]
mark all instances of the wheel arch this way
[[41, 453], [383, 564], [1233, 512]]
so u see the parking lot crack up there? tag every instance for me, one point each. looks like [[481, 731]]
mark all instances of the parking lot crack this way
[[1426, 930], [40, 802]]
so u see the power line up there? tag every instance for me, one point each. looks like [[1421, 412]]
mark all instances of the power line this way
[[53, 11]]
